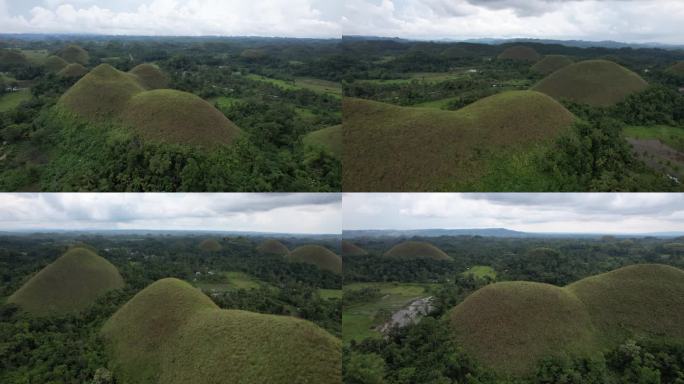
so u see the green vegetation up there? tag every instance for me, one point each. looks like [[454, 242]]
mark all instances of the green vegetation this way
[[320, 86], [188, 338], [416, 250], [274, 247], [73, 70], [74, 54], [481, 272], [676, 69], [386, 147], [70, 284], [551, 63], [11, 58], [520, 53], [351, 249], [11, 100], [210, 245], [150, 76], [317, 255], [593, 82], [55, 64], [328, 139], [330, 293]]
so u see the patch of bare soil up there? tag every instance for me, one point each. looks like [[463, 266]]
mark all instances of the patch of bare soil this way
[[659, 156]]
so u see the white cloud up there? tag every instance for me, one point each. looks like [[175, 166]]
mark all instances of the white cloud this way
[[288, 18], [621, 20], [551, 212], [291, 213]]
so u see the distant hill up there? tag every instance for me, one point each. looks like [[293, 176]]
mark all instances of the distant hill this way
[[676, 69], [416, 250], [74, 54], [488, 232], [210, 245], [70, 284], [73, 70], [551, 63], [273, 246], [322, 257], [172, 333], [351, 249], [392, 148], [328, 139], [55, 63], [519, 53], [150, 76], [510, 326], [593, 82]]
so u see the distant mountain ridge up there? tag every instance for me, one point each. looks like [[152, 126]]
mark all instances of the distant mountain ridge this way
[[490, 232]]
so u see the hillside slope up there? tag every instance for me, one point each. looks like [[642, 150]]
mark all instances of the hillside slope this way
[[416, 250], [322, 257]]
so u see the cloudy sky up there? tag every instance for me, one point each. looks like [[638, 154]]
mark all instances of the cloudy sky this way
[[286, 213], [622, 20], [552, 212], [290, 18]]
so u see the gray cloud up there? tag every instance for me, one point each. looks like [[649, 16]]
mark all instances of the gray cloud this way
[[520, 7]]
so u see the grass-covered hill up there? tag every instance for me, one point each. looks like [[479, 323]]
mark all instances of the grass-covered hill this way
[[12, 58], [273, 247], [593, 82], [322, 257], [210, 245], [392, 148], [329, 139], [551, 63], [70, 284], [150, 76], [416, 250], [172, 333], [510, 326], [676, 69], [73, 70], [74, 54], [519, 53], [55, 64], [351, 249], [167, 116]]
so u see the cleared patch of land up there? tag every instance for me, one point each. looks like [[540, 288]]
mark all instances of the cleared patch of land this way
[[671, 136], [320, 86], [330, 293], [359, 320], [659, 156], [232, 281], [481, 272], [12, 100]]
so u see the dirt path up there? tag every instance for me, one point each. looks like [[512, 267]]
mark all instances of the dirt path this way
[[408, 315], [659, 156]]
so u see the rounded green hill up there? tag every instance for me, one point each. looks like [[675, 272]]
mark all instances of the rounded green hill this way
[[551, 63], [511, 326], [519, 53], [55, 64], [11, 58], [210, 245], [392, 148], [273, 247], [677, 69], [102, 93], [593, 82], [416, 250], [178, 117], [73, 70], [150, 76], [74, 54], [316, 255], [351, 249], [70, 284], [636, 301], [172, 333], [328, 139]]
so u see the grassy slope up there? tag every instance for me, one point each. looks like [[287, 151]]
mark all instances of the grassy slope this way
[[594, 82], [178, 117], [73, 70], [351, 249], [359, 320], [172, 333], [150, 76], [671, 136], [70, 284], [510, 326], [320, 86], [394, 148], [416, 250], [329, 139], [273, 246], [551, 63], [317, 255], [210, 245], [74, 54], [55, 64], [13, 99], [676, 69]]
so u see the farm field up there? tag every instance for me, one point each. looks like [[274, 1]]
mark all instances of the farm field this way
[[12, 100]]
